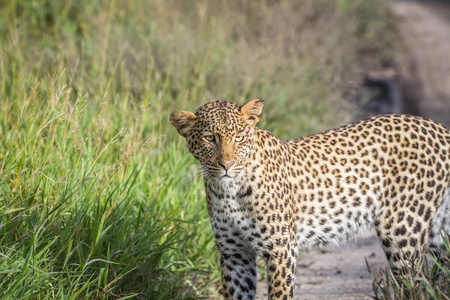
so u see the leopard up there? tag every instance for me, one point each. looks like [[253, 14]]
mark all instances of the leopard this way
[[272, 198]]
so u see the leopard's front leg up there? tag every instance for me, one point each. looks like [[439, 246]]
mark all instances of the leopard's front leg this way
[[239, 278], [281, 273]]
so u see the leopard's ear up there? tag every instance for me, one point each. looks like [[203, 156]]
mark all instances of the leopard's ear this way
[[182, 121], [251, 111]]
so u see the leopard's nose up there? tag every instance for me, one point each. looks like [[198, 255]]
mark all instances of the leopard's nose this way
[[226, 165]]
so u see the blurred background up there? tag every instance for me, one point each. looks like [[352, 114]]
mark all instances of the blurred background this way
[[99, 198]]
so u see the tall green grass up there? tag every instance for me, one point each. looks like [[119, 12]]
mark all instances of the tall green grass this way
[[99, 198], [427, 278], [89, 210]]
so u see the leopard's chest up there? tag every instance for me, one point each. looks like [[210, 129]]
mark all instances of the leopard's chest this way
[[231, 206]]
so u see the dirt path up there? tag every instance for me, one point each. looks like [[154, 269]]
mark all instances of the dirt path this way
[[341, 273], [336, 273], [425, 29]]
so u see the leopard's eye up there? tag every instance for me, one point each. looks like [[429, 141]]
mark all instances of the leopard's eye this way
[[239, 138], [210, 138]]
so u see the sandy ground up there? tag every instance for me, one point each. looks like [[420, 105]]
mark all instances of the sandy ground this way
[[336, 273], [341, 273], [425, 29]]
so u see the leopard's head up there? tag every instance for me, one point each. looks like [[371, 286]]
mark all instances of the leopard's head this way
[[220, 135]]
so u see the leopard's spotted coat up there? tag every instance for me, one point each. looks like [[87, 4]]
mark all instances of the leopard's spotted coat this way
[[271, 198]]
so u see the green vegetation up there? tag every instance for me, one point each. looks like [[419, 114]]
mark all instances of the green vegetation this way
[[99, 198], [427, 279]]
